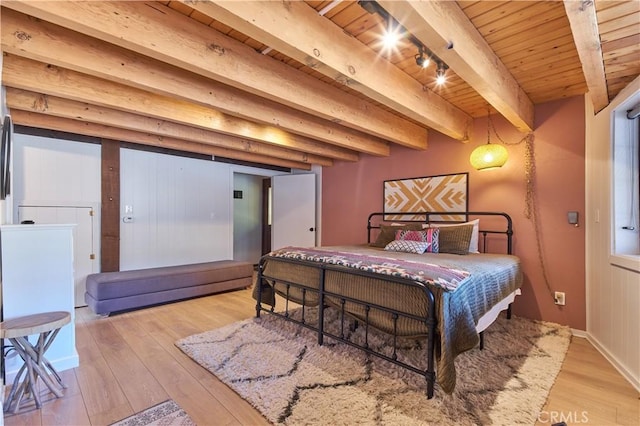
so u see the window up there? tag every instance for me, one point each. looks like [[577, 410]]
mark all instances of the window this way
[[626, 189]]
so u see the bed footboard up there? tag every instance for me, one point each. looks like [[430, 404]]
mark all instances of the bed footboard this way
[[352, 309]]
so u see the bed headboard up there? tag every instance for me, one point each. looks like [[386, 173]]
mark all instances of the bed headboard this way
[[501, 225]]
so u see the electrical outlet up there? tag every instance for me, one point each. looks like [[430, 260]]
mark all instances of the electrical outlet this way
[[559, 297]]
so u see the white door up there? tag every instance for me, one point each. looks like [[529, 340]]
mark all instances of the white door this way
[[293, 211], [84, 258]]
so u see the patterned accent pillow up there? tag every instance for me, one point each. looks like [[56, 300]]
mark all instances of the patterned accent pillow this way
[[387, 233], [455, 239], [407, 246], [429, 235]]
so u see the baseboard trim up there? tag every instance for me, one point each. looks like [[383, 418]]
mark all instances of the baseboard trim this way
[[578, 333], [634, 381]]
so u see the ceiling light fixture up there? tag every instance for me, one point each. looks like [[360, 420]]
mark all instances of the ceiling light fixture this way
[[421, 59], [424, 56], [488, 156], [441, 73], [391, 37]]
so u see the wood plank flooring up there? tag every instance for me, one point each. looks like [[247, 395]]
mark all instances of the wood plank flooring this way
[[128, 362]]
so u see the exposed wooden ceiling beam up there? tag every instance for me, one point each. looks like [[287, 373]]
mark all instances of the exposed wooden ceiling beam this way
[[38, 77], [35, 102], [298, 31], [584, 26], [444, 28], [55, 45], [154, 30], [43, 121]]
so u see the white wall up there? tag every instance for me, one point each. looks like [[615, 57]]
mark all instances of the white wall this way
[[613, 291], [180, 207], [182, 210], [49, 171]]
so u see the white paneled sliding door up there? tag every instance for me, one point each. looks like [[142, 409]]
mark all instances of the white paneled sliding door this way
[[174, 210]]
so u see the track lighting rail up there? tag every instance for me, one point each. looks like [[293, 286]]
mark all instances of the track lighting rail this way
[[424, 56]]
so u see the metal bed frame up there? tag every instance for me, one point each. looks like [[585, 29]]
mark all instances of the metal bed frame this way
[[430, 320]]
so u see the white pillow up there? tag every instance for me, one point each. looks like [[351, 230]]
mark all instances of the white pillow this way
[[473, 244], [408, 246]]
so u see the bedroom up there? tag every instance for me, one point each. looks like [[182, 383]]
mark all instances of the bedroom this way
[[565, 153]]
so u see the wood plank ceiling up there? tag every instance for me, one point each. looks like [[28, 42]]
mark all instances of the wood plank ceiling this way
[[293, 84]]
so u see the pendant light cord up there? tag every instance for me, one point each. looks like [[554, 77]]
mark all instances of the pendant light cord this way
[[531, 202]]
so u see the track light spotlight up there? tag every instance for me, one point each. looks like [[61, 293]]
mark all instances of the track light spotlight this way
[[391, 37], [421, 60], [441, 72]]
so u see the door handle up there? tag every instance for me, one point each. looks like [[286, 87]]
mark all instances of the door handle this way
[[311, 229]]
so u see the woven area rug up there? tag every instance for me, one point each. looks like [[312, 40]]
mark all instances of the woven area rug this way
[[167, 413], [279, 368]]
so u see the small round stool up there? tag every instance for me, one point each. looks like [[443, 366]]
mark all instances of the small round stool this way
[[17, 330]]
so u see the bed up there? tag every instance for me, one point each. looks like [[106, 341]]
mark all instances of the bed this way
[[447, 296]]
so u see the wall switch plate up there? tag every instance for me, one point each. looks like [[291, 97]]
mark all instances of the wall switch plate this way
[[559, 297], [572, 218]]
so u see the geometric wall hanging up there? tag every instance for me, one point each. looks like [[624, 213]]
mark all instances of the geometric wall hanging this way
[[443, 193]]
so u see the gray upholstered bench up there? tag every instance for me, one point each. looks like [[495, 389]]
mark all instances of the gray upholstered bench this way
[[118, 291]]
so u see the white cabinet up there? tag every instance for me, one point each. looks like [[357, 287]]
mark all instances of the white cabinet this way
[[84, 237], [37, 276]]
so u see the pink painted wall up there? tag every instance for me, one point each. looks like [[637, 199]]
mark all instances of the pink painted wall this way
[[350, 191]]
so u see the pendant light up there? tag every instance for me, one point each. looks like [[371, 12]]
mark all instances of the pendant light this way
[[488, 156]]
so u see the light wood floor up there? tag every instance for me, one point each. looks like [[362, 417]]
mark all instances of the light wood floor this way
[[128, 362]]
